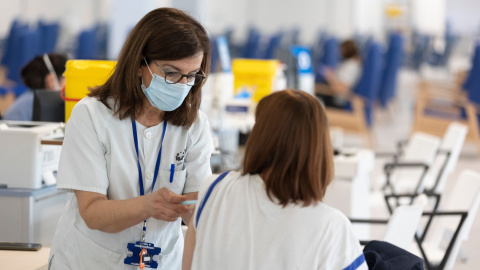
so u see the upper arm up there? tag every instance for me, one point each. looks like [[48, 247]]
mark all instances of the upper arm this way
[[82, 162], [189, 247], [197, 160]]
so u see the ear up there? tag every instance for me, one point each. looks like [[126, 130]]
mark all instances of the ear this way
[[139, 73], [49, 82]]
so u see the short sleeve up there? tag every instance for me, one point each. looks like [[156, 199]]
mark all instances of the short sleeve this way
[[82, 161], [197, 160], [347, 244]]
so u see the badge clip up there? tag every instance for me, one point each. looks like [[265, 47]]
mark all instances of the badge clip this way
[[142, 255]]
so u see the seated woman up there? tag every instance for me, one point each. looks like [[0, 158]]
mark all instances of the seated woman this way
[[340, 82], [270, 215], [37, 75]]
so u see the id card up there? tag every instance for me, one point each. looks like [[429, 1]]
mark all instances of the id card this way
[[142, 255]]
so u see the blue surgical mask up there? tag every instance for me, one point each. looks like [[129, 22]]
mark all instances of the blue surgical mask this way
[[162, 95]]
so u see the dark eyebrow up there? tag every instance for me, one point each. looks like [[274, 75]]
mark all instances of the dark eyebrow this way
[[178, 70]]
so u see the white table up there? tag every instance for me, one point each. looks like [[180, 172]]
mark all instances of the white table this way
[[349, 191]]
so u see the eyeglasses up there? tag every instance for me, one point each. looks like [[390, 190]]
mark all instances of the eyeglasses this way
[[175, 77]]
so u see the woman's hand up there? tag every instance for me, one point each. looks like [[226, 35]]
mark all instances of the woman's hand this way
[[164, 204]]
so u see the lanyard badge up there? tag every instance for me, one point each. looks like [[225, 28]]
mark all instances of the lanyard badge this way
[[141, 253]]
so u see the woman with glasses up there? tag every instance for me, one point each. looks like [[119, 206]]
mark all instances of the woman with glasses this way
[[135, 152]]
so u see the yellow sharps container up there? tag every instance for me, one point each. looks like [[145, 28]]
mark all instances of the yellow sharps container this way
[[254, 75], [80, 75]]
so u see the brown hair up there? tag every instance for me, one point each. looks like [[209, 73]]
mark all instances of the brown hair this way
[[290, 142], [34, 73], [163, 34], [348, 49]]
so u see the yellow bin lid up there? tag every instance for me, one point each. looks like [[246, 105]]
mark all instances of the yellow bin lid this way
[[89, 68], [255, 66]]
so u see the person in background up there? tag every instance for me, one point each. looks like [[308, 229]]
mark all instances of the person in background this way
[[44, 72], [340, 82], [270, 214]]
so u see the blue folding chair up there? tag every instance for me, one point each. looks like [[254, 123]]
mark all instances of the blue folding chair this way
[[49, 35], [393, 62], [273, 45], [459, 106], [357, 116], [88, 45], [12, 51], [252, 44]]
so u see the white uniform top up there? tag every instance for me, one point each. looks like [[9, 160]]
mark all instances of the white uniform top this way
[[241, 228], [98, 155]]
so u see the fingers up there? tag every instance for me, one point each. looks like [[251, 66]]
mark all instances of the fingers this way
[[171, 197], [166, 205]]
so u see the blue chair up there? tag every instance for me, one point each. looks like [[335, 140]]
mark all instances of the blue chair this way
[[49, 35], [331, 53], [12, 51], [459, 106], [393, 62], [252, 44], [88, 45], [421, 46], [357, 116], [273, 45]]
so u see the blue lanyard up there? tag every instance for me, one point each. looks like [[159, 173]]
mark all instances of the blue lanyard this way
[[157, 165]]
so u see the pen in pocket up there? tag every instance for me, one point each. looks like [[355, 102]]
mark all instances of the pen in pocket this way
[[172, 172]]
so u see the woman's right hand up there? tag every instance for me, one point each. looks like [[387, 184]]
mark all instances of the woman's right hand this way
[[164, 204]]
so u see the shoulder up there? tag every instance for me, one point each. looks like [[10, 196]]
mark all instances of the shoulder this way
[[92, 107], [198, 127], [332, 218]]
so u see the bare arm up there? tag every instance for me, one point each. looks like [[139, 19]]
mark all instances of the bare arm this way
[[112, 216], [189, 247], [190, 196], [335, 83]]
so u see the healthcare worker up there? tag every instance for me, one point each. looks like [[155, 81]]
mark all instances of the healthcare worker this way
[[135, 150], [270, 214]]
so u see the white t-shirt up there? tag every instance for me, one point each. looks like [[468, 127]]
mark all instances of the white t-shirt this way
[[241, 228], [349, 73], [98, 155]]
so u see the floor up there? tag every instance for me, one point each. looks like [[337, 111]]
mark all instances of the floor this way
[[394, 125]]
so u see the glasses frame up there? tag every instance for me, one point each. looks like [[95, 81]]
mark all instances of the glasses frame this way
[[201, 77]]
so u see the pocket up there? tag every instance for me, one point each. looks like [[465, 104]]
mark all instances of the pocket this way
[[178, 180], [96, 253]]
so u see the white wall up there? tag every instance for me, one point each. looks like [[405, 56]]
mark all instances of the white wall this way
[[464, 16]]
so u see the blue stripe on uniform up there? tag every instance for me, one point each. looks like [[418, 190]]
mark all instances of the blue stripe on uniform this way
[[355, 264], [207, 195]]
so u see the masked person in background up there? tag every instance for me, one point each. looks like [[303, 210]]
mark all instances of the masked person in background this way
[[42, 73], [270, 215], [135, 149]]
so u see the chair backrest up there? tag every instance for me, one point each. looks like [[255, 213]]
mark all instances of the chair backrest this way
[[403, 225], [87, 47], [421, 148], [251, 46], [331, 53], [465, 196], [472, 81], [273, 45], [369, 81], [447, 157], [393, 62]]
